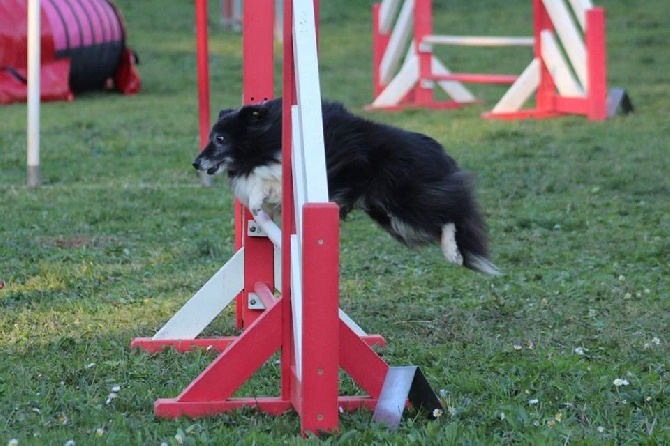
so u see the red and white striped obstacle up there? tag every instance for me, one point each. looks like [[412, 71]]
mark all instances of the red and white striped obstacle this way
[[301, 262], [567, 74]]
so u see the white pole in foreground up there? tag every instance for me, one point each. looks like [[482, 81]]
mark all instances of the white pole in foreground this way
[[34, 37]]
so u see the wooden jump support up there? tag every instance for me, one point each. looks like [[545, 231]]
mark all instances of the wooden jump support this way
[[571, 80], [304, 323]]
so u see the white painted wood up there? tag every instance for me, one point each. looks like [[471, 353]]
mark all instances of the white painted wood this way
[[277, 268], [400, 85], [479, 41], [400, 37], [296, 302], [309, 102], [208, 302], [408, 76], [560, 72], [521, 90], [298, 169], [456, 90], [579, 8], [351, 324], [569, 36], [33, 132], [387, 12]]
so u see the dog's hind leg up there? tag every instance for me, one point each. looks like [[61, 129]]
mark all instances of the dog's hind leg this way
[[448, 244]]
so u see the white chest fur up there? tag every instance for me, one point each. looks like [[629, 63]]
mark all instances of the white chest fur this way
[[261, 189]]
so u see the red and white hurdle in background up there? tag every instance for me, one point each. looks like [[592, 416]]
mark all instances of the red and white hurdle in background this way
[[569, 81], [315, 337]]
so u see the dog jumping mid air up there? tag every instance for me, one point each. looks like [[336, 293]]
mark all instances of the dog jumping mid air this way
[[403, 180]]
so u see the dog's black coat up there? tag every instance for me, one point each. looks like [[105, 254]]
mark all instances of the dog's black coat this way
[[403, 180]]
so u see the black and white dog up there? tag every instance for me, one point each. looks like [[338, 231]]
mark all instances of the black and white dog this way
[[403, 180]]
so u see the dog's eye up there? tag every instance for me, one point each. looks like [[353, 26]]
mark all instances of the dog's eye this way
[[220, 138]]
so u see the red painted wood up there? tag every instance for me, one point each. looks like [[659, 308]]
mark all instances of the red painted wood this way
[[239, 361], [288, 215], [596, 60], [182, 345], [202, 55], [258, 86], [366, 368], [423, 26], [320, 378], [173, 408]]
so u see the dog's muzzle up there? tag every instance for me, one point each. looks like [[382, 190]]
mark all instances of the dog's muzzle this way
[[199, 165]]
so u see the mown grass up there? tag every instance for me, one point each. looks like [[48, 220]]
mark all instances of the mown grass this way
[[121, 234]]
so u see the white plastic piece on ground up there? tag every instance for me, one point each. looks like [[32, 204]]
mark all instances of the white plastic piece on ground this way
[[401, 35], [521, 90], [569, 36], [560, 72], [208, 302]]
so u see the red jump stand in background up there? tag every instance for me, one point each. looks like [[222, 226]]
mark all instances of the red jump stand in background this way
[[568, 73]]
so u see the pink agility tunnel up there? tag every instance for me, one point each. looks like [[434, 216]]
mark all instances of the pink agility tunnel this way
[[83, 48]]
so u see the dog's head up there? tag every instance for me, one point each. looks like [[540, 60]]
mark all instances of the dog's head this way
[[239, 136]]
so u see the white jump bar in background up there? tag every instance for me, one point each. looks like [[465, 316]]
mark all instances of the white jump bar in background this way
[[478, 41]]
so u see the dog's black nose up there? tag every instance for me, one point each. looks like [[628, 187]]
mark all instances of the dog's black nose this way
[[196, 165]]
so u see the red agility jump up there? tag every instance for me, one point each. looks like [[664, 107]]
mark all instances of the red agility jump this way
[[549, 75], [305, 323]]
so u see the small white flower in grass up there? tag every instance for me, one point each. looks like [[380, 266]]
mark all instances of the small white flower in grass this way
[[116, 389], [620, 382], [110, 397], [656, 340], [518, 347], [437, 413], [13, 442], [533, 402], [451, 410], [70, 443], [601, 429], [179, 438], [579, 351], [502, 416], [622, 277], [99, 432], [90, 365]]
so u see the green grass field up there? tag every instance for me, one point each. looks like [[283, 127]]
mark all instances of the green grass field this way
[[121, 234]]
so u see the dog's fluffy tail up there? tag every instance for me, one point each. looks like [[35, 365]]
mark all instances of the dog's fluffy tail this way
[[464, 241]]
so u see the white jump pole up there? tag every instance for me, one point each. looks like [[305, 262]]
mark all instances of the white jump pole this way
[[34, 37]]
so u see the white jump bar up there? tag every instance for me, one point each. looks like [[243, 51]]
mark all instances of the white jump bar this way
[[478, 41]]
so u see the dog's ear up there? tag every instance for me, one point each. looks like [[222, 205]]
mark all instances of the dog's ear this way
[[254, 114], [225, 112]]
